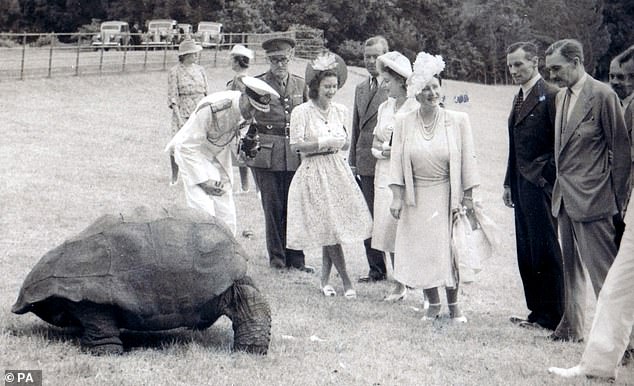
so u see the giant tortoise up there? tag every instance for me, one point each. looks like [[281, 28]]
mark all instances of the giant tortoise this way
[[148, 270]]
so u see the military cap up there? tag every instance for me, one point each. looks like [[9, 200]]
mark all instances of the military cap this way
[[278, 46], [259, 93]]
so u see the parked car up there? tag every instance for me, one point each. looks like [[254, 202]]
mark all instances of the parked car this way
[[112, 34], [209, 34], [161, 32]]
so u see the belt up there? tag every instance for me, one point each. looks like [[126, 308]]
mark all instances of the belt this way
[[308, 155], [272, 130]]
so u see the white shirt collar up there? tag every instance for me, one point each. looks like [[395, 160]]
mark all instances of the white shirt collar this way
[[528, 86], [576, 88]]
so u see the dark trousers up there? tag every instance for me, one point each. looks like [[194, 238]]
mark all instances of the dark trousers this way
[[376, 259], [538, 253], [274, 190]]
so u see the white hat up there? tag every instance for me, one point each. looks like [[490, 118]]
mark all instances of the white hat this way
[[188, 46], [396, 61], [240, 50], [327, 61], [259, 93], [426, 66]]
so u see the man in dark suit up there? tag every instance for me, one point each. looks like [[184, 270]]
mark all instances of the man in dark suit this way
[[592, 155], [530, 176], [367, 97], [275, 163]]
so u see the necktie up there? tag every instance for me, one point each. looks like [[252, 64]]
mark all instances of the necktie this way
[[564, 111], [373, 84], [518, 102]]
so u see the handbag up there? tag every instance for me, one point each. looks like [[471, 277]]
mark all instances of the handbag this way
[[474, 239]]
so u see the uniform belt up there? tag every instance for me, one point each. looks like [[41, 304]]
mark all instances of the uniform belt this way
[[272, 130], [308, 155]]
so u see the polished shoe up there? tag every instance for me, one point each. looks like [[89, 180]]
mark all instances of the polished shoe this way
[[370, 279], [532, 325], [305, 268], [517, 319]]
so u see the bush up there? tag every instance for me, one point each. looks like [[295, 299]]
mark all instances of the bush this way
[[352, 52], [46, 40], [6, 42]]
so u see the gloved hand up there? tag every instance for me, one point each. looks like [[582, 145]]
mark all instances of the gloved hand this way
[[331, 143]]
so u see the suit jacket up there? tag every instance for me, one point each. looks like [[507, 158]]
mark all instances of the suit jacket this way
[[273, 127], [532, 137], [364, 115], [592, 155]]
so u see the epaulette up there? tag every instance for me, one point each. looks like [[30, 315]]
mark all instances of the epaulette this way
[[216, 106]]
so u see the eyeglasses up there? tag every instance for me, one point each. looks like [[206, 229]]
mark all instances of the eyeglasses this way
[[278, 59]]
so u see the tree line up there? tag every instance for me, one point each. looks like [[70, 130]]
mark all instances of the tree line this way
[[472, 35]]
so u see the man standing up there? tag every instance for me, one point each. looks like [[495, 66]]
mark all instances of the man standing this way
[[617, 78], [592, 155], [367, 97], [530, 176], [275, 163], [203, 147]]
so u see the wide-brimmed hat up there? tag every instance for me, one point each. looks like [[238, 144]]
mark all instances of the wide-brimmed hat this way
[[396, 61], [278, 46], [426, 66], [259, 93], [240, 50], [327, 61], [188, 46]]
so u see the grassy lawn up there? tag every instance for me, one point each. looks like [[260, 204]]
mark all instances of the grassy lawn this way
[[75, 148]]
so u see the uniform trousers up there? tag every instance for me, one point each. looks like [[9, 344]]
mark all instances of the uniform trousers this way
[[584, 244], [273, 187]]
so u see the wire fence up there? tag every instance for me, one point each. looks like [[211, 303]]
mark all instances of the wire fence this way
[[36, 55]]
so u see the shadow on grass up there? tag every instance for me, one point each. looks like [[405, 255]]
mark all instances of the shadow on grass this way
[[218, 337]]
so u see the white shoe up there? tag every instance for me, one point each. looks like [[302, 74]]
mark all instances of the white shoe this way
[[566, 373]]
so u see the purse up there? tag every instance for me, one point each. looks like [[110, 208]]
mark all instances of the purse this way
[[474, 239]]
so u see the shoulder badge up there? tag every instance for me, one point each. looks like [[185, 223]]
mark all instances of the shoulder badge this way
[[216, 106]]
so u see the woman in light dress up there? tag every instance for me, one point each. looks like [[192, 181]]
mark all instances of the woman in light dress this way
[[239, 58], [395, 69], [325, 205], [433, 172]]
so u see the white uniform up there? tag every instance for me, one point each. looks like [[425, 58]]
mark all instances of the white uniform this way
[[203, 148]]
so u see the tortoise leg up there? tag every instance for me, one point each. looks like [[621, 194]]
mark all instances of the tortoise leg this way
[[250, 316], [100, 330]]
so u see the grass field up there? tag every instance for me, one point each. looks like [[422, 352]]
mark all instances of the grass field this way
[[74, 148]]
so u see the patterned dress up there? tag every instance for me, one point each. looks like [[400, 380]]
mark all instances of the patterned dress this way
[[186, 86], [384, 229], [325, 204]]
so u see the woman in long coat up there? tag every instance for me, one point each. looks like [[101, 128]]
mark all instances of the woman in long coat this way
[[433, 172]]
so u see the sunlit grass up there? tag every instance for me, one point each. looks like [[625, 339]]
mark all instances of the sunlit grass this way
[[72, 149]]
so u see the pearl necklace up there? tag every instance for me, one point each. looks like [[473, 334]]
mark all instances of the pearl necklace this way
[[428, 130], [324, 113]]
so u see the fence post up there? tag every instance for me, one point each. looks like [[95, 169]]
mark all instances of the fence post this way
[[164, 57], [216, 53], [125, 53], [50, 54], [145, 57], [100, 60], [77, 57], [23, 54]]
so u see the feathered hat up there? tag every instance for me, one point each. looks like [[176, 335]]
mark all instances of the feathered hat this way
[[327, 61], [426, 66]]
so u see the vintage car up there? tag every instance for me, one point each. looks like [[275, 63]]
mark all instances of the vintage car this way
[[185, 31], [209, 34], [112, 34], [161, 32]]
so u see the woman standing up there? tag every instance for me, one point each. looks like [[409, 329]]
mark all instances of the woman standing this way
[[395, 69], [325, 205], [433, 171], [240, 56], [186, 84]]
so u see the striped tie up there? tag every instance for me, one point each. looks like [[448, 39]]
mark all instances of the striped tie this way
[[518, 102]]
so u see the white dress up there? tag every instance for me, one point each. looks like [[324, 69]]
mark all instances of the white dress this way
[[325, 204], [384, 228]]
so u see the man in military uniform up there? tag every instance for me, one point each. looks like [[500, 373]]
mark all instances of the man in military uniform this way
[[275, 163], [203, 147]]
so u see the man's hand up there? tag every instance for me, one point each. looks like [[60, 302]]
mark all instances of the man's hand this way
[[213, 187], [395, 207], [506, 197]]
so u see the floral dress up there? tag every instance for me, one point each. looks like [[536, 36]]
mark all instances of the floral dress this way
[[325, 204], [186, 86]]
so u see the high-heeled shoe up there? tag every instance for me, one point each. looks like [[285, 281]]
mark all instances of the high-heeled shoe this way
[[433, 312], [395, 297]]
